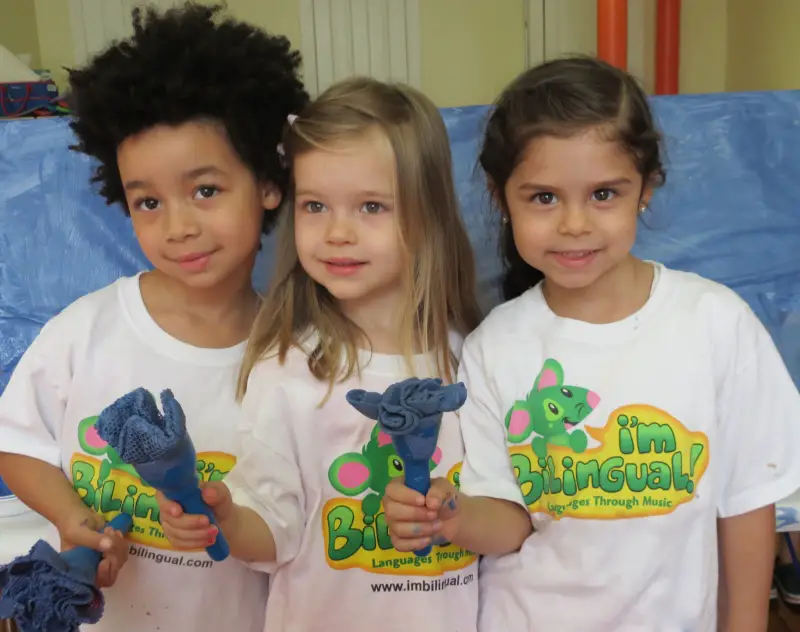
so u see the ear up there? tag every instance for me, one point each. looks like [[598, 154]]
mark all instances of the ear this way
[[647, 194], [382, 439], [365, 402], [91, 442], [496, 195], [519, 425], [378, 437], [270, 196], [551, 375], [350, 473], [491, 187]]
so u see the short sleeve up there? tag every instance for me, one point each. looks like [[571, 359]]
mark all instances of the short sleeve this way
[[759, 424], [266, 477], [33, 404], [487, 469]]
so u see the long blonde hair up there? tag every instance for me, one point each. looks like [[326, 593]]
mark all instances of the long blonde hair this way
[[441, 266]]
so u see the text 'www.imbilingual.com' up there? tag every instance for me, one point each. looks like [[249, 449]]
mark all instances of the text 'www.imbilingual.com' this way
[[423, 585], [175, 560]]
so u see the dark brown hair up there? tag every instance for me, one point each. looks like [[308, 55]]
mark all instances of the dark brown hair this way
[[561, 98]]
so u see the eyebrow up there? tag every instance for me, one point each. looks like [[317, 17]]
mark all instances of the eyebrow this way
[[193, 174], [605, 184], [362, 194]]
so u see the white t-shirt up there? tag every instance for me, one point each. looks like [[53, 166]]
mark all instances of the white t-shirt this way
[[627, 442], [317, 475], [99, 348]]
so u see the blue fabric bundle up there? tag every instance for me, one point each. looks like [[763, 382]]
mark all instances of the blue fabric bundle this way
[[47, 591], [410, 412], [160, 449]]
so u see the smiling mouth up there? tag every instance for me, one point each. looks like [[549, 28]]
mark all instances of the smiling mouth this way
[[195, 256], [343, 263], [569, 425], [574, 254]]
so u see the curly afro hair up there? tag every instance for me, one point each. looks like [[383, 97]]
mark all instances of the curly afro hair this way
[[183, 65]]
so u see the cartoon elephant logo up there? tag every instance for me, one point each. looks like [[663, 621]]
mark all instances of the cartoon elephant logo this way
[[552, 410], [92, 443], [373, 468]]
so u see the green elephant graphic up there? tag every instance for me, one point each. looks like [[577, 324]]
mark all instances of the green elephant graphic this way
[[552, 410], [373, 468]]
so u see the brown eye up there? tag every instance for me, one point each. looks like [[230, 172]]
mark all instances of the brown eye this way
[[545, 198], [604, 195], [205, 192]]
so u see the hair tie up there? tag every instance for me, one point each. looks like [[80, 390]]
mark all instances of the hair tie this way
[[291, 118]]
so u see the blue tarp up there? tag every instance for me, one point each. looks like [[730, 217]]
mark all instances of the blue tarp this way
[[730, 211]]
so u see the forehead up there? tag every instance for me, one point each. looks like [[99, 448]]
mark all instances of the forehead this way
[[576, 160], [365, 162], [159, 151]]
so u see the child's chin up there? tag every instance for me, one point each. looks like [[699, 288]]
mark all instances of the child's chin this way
[[200, 280], [345, 294], [574, 280]]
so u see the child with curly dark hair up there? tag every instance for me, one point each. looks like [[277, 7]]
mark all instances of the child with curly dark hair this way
[[184, 119]]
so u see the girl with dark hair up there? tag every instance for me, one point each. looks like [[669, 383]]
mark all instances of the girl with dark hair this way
[[629, 427]]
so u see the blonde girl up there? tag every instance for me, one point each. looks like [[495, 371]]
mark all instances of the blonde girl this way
[[374, 283]]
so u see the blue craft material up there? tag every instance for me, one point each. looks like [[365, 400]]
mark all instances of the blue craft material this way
[[410, 412], [54, 592], [160, 449]]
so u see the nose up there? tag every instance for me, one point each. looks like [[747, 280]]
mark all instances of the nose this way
[[180, 222], [574, 220], [340, 228]]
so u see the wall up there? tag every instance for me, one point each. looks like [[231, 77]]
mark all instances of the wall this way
[[275, 16], [55, 36], [52, 16], [763, 47], [471, 48], [18, 31], [704, 45]]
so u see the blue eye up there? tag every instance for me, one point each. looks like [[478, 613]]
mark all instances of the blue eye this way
[[372, 207]]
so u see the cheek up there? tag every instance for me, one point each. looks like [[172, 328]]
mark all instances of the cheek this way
[[623, 230], [305, 236], [243, 230], [147, 234], [385, 243], [530, 236], [236, 219]]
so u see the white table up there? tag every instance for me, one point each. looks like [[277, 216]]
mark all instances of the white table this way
[[20, 528]]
